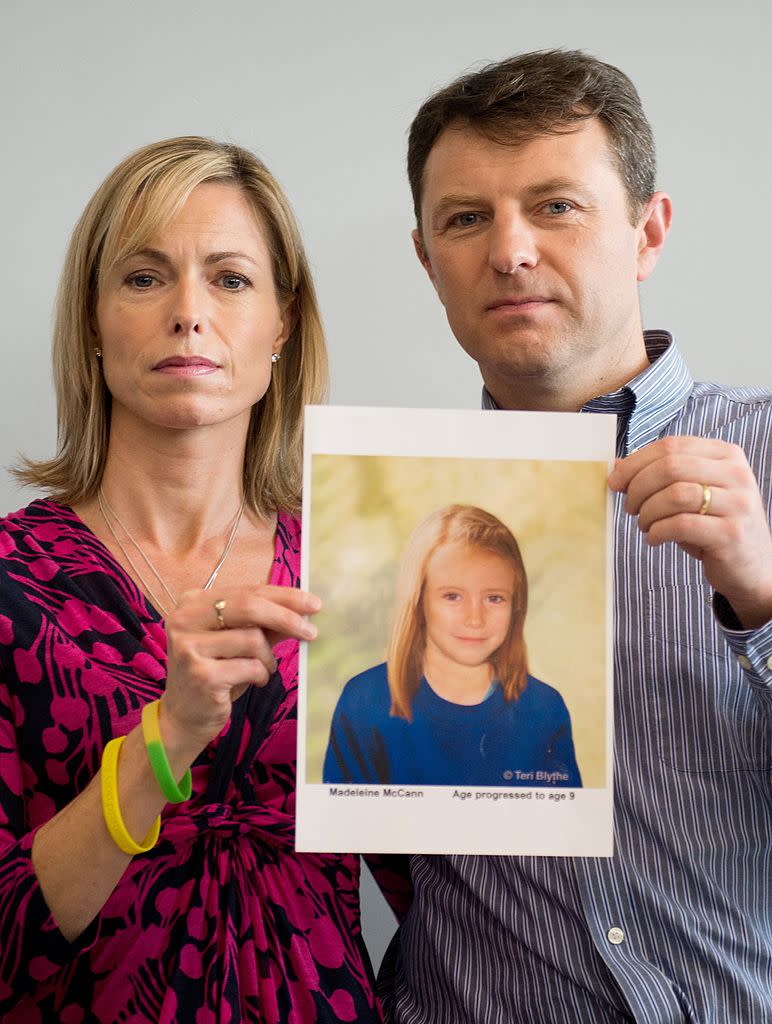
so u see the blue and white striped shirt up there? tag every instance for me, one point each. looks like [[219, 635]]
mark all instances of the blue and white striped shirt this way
[[676, 928]]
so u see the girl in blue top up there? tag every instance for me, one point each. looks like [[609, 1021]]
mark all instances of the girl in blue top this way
[[454, 704]]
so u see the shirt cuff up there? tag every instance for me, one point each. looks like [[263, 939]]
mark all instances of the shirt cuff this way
[[752, 648]]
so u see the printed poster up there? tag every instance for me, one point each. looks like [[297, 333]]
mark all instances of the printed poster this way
[[458, 698]]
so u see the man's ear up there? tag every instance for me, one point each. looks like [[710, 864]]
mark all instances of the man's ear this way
[[423, 259], [653, 228]]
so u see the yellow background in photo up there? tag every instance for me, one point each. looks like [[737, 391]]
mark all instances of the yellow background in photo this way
[[363, 509]]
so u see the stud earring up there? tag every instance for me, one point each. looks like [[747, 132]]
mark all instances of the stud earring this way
[[275, 357], [98, 352]]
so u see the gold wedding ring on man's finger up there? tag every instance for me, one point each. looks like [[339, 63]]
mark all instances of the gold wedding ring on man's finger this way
[[706, 498], [219, 609]]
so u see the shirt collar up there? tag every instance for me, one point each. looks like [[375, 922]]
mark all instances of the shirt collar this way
[[647, 403]]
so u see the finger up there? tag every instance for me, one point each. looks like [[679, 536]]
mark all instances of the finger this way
[[245, 609], [693, 533], [301, 601], [694, 473], [215, 675], [234, 643], [682, 497], [667, 448], [205, 675]]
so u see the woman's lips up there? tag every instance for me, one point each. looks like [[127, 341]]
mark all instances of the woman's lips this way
[[186, 366]]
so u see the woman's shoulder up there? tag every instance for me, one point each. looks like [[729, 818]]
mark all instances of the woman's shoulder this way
[[43, 526], [39, 512]]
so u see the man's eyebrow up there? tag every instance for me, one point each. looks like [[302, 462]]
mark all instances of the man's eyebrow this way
[[453, 199], [558, 185]]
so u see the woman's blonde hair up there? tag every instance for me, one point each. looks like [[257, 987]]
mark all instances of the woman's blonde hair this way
[[476, 528], [137, 200]]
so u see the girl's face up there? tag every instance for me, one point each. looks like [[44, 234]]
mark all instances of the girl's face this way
[[467, 603]]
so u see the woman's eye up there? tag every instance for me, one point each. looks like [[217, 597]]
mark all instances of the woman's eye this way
[[233, 282], [452, 595], [141, 281], [496, 598]]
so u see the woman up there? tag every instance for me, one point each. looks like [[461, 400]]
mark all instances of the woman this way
[[149, 621], [454, 704]]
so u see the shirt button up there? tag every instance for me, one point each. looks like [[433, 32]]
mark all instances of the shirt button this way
[[744, 662], [769, 663], [615, 936]]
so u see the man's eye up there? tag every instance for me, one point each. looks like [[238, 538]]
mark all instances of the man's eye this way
[[466, 220], [559, 206]]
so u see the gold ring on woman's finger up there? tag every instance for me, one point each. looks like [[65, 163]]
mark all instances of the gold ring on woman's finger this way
[[706, 498], [219, 609]]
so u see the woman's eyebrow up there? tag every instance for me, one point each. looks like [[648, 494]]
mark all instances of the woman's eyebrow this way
[[158, 256], [218, 257], [147, 253]]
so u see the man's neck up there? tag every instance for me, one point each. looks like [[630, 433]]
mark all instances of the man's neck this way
[[566, 391]]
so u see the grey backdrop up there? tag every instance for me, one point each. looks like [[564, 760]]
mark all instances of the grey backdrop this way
[[324, 92]]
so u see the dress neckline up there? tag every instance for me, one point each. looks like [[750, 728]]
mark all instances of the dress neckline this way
[[117, 568]]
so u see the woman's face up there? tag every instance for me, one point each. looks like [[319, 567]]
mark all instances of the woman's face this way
[[187, 326], [467, 603]]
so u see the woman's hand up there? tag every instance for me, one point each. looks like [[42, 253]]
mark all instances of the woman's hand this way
[[210, 666]]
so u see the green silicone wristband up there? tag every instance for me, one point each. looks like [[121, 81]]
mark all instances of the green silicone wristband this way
[[159, 762]]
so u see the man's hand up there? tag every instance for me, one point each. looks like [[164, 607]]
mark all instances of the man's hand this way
[[667, 485]]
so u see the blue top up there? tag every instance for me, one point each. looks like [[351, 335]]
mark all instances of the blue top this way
[[524, 742]]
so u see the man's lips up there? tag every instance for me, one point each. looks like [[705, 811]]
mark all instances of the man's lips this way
[[522, 302], [186, 366]]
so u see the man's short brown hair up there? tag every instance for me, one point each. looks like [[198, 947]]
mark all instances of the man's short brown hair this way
[[532, 94]]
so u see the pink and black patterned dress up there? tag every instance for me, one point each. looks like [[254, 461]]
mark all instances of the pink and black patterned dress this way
[[222, 921]]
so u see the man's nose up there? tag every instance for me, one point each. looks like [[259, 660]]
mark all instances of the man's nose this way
[[512, 244]]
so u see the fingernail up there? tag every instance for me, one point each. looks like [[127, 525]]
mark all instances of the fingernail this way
[[314, 603], [310, 631]]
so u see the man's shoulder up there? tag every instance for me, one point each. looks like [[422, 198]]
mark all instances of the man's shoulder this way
[[744, 396], [740, 415]]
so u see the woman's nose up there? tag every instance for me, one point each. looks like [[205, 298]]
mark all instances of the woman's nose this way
[[188, 310]]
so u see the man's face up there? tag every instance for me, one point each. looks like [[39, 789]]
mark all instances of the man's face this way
[[536, 260]]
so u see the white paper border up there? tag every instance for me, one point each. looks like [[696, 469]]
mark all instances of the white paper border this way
[[542, 821]]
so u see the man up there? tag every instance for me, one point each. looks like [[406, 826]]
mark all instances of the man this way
[[537, 216]]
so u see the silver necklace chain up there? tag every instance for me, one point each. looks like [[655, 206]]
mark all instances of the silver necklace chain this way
[[105, 507]]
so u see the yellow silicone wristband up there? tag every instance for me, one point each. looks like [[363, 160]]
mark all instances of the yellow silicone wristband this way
[[111, 809]]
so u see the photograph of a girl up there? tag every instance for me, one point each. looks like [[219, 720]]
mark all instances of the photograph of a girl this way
[[454, 703]]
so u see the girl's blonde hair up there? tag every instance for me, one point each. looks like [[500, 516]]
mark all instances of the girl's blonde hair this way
[[460, 524], [137, 200]]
